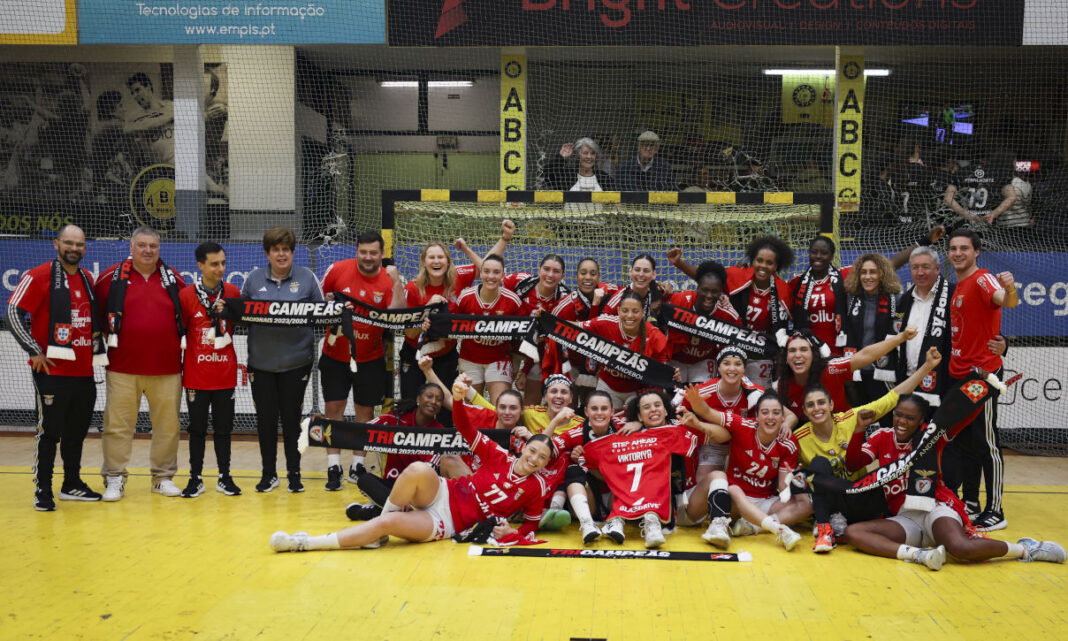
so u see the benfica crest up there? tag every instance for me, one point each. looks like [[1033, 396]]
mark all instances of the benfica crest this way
[[62, 334], [975, 390], [316, 433], [923, 481]]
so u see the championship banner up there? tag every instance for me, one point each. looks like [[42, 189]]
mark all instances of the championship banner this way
[[291, 313], [601, 350], [389, 439], [649, 555], [755, 344], [397, 319], [503, 328]]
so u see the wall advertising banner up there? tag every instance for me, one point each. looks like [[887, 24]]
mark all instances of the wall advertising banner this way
[[232, 22], [38, 22]]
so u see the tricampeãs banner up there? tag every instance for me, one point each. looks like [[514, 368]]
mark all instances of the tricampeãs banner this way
[[393, 439], [424, 23]]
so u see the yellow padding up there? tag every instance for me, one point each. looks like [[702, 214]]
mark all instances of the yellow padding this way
[[663, 197], [779, 198], [490, 196], [434, 195], [720, 198], [548, 196], [604, 197]]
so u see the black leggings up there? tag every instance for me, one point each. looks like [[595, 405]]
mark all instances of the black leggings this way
[[65, 407], [411, 377], [279, 395], [829, 496], [221, 404]]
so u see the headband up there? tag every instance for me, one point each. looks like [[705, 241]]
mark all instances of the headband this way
[[553, 379]]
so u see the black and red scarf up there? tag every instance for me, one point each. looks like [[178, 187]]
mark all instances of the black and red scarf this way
[[885, 319], [803, 296], [219, 332], [120, 278], [61, 327]]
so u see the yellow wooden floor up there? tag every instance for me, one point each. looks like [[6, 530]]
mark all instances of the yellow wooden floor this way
[[154, 568]]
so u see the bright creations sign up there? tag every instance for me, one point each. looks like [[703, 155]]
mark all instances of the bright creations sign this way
[[232, 21]]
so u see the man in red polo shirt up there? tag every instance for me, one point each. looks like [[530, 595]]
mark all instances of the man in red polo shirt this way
[[139, 297], [59, 338]]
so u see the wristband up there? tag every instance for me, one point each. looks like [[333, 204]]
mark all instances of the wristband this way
[[924, 241]]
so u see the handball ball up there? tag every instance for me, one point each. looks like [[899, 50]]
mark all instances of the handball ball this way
[[76, 69]]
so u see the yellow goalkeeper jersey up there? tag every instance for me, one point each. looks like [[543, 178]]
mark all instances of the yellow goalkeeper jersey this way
[[535, 417], [834, 450]]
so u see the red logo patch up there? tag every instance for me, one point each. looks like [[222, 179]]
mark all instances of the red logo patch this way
[[975, 390]]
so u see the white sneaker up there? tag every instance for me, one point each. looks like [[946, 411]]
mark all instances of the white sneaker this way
[[652, 531], [590, 532], [933, 558], [114, 488], [787, 537], [282, 542], [1042, 551], [613, 529], [742, 527], [717, 533], [166, 487]]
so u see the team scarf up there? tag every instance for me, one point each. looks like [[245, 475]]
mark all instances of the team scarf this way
[[505, 328], [961, 405], [120, 279], [219, 332], [935, 335], [61, 329], [584, 310], [715, 330], [523, 287], [885, 319], [777, 309], [803, 298], [390, 439], [626, 361]]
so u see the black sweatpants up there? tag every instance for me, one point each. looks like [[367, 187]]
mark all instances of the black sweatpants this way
[[221, 404], [975, 452], [279, 396], [411, 377], [64, 409]]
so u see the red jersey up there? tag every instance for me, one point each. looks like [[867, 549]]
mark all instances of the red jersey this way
[[975, 319], [756, 315], [395, 463], [531, 300], [203, 366], [494, 489], [822, 319], [883, 446], [637, 468], [753, 466], [486, 350], [610, 328], [149, 344], [465, 276], [741, 405], [691, 349], [33, 295], [834, 378], [377, 291]]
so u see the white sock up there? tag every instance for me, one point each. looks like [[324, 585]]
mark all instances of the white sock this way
[[558, 501], [771, 524], [581, 505], [324, 542], [390, 506], [907, 552], [333, 459], [357, 459], [1016, 551]]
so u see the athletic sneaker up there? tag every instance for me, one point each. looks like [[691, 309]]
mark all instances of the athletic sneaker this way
[[333, 478], [613, 529], [590, 532], [717, 533], [787, 537], [972, 533], [114, 488], [989, 521], [362, 511], [194, 489], [742, 527], [227, 486], [294, 484], [166, 487], [267, 483], [282, 542], [77, 491], [652, 531], [933, 558], [824, 538], [1041, 551], [972, 509], [43, 501], [355, 471], [554, 520]]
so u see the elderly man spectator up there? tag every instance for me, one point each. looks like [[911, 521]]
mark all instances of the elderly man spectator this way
[[647, 171], [139, 297]]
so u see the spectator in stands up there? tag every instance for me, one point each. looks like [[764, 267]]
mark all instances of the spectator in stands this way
[[143, 315], [63, 338], [647, 171], [280, 358], [582, 174], [982, 191]]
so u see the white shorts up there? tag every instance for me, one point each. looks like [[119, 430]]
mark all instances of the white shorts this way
[[619, 399], [919, 525], [763, 504], [440, 512], [695, 372], [760, 372], [495, 372], [714, 454], [535, 372]]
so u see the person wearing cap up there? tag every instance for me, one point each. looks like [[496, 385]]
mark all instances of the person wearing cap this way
[[646, 171]]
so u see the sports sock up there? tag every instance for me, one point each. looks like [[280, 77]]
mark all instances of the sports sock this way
[[907, 552], [356, 460], [1016, 551], [719, 500], [771, 524], [389, 506], [581, 505], [558, 500], [324, 542], [333, 459]]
